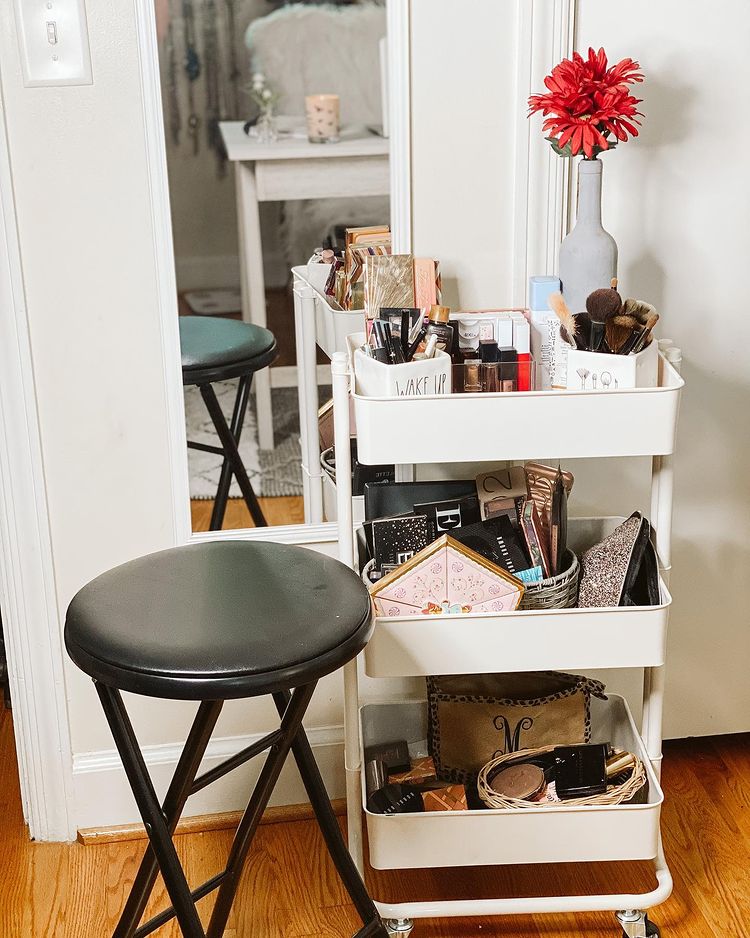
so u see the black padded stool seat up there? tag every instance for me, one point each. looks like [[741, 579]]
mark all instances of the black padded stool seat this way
[[208, 342], [210, 622], [217, 349], [219, 620]]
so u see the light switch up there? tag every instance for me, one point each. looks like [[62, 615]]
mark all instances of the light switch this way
[[54, 42]]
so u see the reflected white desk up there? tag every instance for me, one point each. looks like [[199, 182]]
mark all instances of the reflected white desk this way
[[292, 169]]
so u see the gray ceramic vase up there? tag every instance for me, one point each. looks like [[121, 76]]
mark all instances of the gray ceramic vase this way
[[588, 255]]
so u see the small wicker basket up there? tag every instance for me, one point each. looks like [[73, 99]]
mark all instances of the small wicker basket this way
[[556, 592], [615, 794]]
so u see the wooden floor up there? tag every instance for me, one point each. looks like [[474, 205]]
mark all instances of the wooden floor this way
[[289, 888], [287, 509]]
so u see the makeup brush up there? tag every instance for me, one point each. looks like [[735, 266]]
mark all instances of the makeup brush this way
[[639, 309], [618, 330], [637, 341], [640, 345], [568, 325], [601, 305]]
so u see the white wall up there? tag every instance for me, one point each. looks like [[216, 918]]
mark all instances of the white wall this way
[[677, 202], [462, 143]]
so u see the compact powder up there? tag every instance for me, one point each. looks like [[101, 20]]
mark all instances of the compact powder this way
[[522, 781]]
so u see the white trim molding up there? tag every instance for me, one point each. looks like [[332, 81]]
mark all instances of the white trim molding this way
[[163, 246], [31, 619], [399, 121], [545, 35], [98, 776]]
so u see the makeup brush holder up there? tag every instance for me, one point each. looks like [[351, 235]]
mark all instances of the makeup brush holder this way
[[556, 592], [424, 378], [598, 371]]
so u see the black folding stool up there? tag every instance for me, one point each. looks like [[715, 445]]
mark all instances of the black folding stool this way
[[209, 623], [215, 349]]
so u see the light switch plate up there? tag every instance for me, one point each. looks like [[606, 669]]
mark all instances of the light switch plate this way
[[54, 42]]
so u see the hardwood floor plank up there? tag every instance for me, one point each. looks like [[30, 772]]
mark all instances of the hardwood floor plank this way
[[290, 890], [286, 509]]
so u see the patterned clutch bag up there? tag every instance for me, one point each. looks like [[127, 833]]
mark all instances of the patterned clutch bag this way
[[446, 578], [621, 570]]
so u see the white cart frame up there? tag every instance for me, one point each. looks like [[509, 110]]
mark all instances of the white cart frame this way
[[410, 422]]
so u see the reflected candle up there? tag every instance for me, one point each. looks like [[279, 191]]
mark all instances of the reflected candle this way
[[322, 118]]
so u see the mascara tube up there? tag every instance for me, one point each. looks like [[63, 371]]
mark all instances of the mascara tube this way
[[379, 341]]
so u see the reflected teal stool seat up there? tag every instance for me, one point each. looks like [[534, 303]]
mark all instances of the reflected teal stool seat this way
[[215, 349]]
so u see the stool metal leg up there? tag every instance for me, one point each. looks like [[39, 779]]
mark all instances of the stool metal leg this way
[[231, 453], [156, 825], [225, 477], [290, 724], [316, 792], [174, 802]]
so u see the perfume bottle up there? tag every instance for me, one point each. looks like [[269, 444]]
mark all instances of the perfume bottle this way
[[438, 325]]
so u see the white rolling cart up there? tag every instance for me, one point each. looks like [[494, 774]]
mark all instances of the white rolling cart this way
[[623, 422], [316, 325]]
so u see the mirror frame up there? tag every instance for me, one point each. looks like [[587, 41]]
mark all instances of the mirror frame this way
[[399, 102]]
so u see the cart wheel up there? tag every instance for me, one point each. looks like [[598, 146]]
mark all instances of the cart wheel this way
[[652, 930], [399, 927]]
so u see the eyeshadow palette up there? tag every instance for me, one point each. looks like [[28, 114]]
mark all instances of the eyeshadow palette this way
[[447, 578]]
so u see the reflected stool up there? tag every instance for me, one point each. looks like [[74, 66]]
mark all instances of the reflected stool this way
[[215, 349], [209, 623]]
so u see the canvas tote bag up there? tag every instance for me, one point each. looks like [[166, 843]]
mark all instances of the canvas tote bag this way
[[475, 717]]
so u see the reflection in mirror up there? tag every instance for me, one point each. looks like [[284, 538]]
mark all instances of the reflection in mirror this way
[[276, 145]]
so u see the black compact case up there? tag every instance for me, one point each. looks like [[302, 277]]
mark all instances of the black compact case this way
[[385, 499], [445, 516], [498, 540], [581, 771]]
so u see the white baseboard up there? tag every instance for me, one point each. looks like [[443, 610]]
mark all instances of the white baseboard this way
[[103, 797], [223, 270]]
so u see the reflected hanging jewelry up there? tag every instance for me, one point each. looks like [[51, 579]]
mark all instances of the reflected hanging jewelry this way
[[192, 69], [211, 71], [173, 98], [234, 69]]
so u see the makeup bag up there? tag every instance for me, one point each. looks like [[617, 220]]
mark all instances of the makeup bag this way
[[621, 570], [474, 718]]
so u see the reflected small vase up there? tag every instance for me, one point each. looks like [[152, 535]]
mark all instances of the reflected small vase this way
[[588, 255], [266, 129]]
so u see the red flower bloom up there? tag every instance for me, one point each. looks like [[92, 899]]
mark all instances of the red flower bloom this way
[[586, 102]]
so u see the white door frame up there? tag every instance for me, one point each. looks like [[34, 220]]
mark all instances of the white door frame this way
[[31, 618]]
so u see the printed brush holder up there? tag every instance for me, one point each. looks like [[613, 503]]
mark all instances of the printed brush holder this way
[[598, 371], [424, 378]]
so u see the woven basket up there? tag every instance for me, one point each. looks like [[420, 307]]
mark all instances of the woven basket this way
[[556, 592], [615, 794]]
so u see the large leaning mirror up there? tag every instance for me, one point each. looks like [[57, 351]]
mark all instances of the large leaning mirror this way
[[276, 144]]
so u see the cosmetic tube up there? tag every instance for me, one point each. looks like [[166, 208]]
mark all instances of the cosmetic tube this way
[[472, 380], [379, 340], [508, 369], [522, 345], [547, 348]]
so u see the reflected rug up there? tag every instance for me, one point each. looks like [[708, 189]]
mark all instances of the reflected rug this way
[[273, 472]]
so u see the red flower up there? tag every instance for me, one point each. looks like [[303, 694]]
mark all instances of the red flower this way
[[586, 102]]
